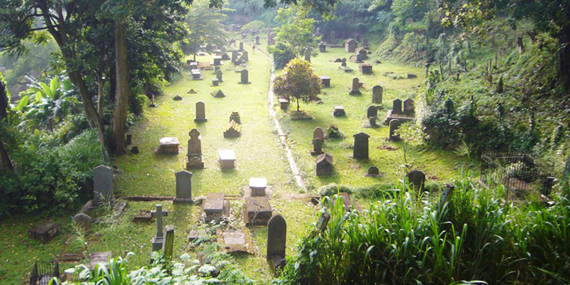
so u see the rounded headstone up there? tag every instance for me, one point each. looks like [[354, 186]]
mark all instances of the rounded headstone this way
[[82, 221]]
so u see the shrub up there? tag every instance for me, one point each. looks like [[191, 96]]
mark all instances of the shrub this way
[[334, 133], [333, 188]]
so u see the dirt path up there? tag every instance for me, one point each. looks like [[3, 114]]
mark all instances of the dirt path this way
[[280, 132]]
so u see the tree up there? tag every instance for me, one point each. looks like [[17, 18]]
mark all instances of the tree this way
[[5, 162], [296, 29], [204, 26], [298, 81], [411, 134]]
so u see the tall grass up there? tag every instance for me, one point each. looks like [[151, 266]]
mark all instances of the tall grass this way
[[410, 239]]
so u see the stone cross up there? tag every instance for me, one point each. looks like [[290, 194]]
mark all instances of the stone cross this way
[[102, 184], [377, 94], [158, 240], [397, 107], [360, 150], [200, 112], [276, 241], [183, 187], [168, 245]]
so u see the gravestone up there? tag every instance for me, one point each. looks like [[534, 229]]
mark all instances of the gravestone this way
[[225, 56], [350, 45], [324, 165], [417, 179], [233, 130], [217, 60], [158, 240], [245, 55], [215, 82], [372, 122], [82, 221], [394, 125], [257, 210], [227, 159], [215, 207], [354, 89], [257, 186], [183, 187], [322, 47], [256, 40], [371, 112], [373, 171], [196, 74], [240, 46], [318, 133], [235, 117], [45, 233], [339, 111], [142, 216], [283, 103], [360, 150], [219, 75], [365, 68], [194, 151], [276, 242], [102, 184], [397, 107], [377, 91], [168, 245], [234, 55], [168, 145], [409, 107], [218, 94], [200, 112], [99, 258], [325, 81], [361, 55], [244, 77], [446, 195], [365, 43], [317, 146]]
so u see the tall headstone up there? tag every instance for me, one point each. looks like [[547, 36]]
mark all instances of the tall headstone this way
[[397, 107], [245, 55], [158, 240], [168, 245], [200, 112], [256, 40], [394, 125], [354, 88], [318, 133], [234, 55], [377, 94], [360, 150], [183, 187], [276, 242], [417, 179], [244, 77], [102, 184], [194, 151], [83, 221], [371, 112], [219, 75], [409, 107], [241, 46]]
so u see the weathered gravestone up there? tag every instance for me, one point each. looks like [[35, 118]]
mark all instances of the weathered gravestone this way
[[325, 81], [317, 146], [373, 171], [355, 87], [276, 242], [194, 151], [322, 47], [257, 210], [240, 46], [372, 111], [245, 55], [365, 43], [365, 68], [409, 107], [339, 111], [256, 40], [82, 221], [377, 91], [350, 45], [446, 195], [394, 125], [308, 55], [324, 165], [235, 117], [227, 159], [217, 60], [234, 55], [45, 233], [397, 107], [218, 94], [361, 55], [360, 150], [416, 179], [200, 112], [372, 122], [196, 74], [100, 259], [168, 145], [168, 244], [244, 77], [219, 75], [258, 186], [318, 133], [215, 82], [158, 240], [102, 184], [283, 103], [183, 187], [215, 207]]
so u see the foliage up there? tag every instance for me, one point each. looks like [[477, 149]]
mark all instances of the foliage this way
[[332, 189], [403, 241], [282, 54], [295, 31], [298, 81], [48, 178], [255, 25], [334, 133], [204, 26], [411, 134]]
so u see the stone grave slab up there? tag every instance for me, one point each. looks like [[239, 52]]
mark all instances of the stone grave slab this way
[[197, 234], [168, 145], [258, 186], [99, 258], [257, 211], [325, 81], [227, 159], [46, 232], [235, 240], [215, 206], [283, 103], [142, 216], [196, 74]]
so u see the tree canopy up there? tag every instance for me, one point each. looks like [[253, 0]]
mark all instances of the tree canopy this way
[[298, 81]]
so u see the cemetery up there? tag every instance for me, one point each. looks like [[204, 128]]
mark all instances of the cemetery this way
[[226, 177]]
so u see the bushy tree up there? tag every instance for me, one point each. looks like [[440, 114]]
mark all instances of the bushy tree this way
[[204, 26], [298, 81]]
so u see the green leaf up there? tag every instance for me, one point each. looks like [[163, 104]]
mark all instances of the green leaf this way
[[23, 103]]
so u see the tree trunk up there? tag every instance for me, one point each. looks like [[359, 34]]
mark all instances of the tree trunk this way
[[100, 98], [122, 93], [5, 162], [564, 61]]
